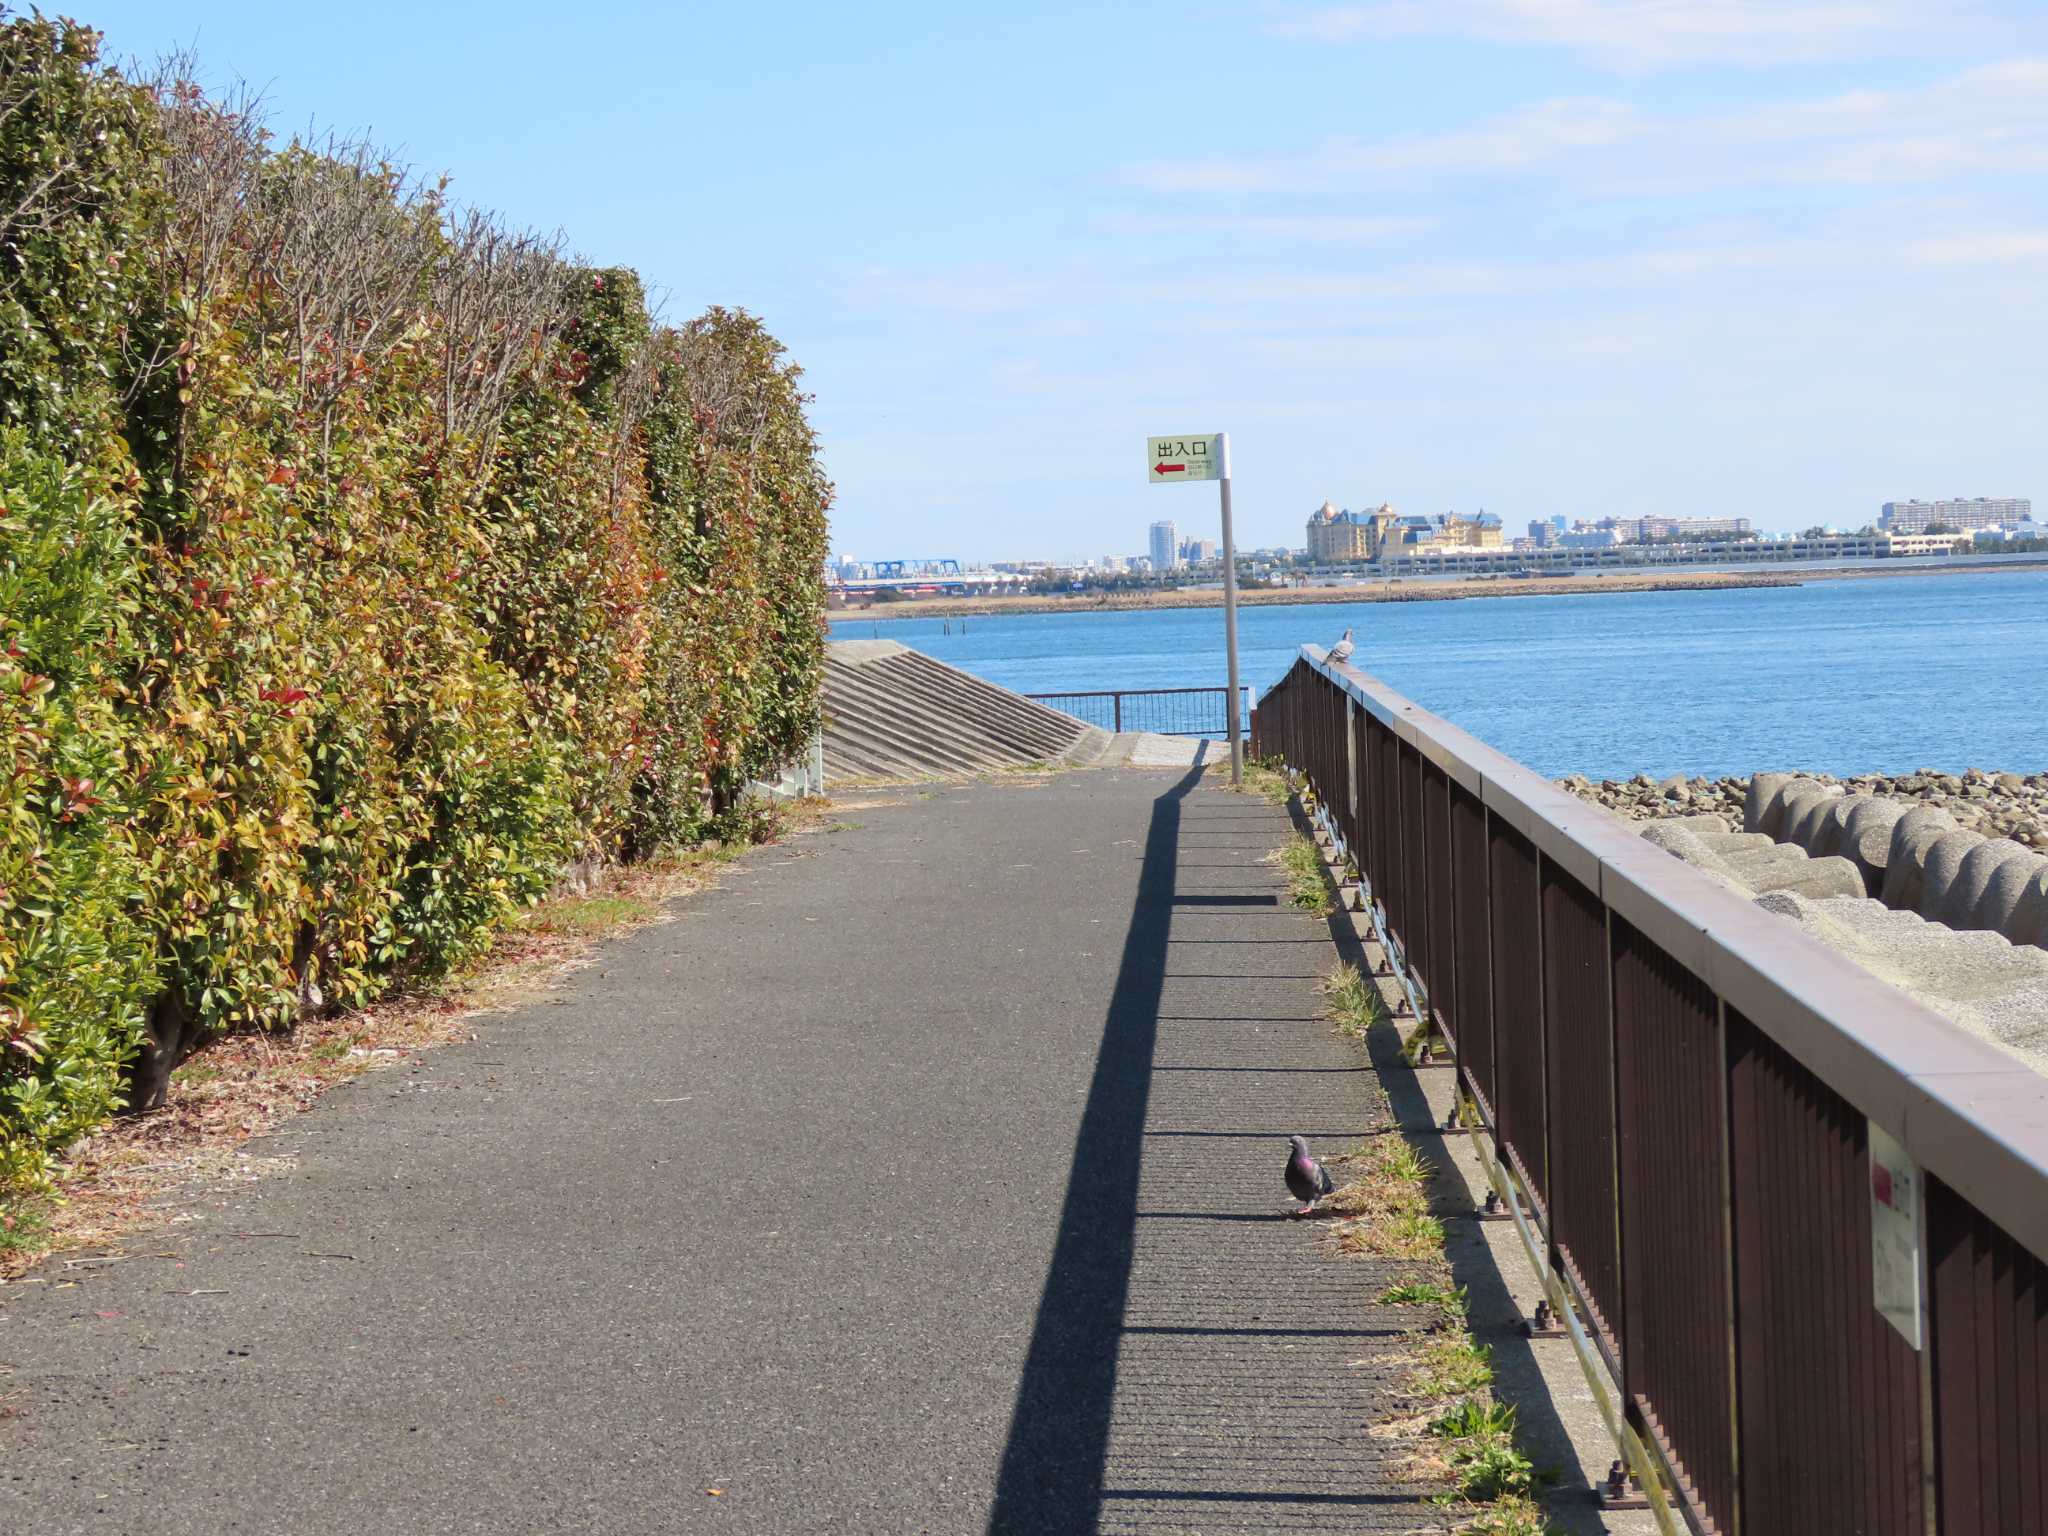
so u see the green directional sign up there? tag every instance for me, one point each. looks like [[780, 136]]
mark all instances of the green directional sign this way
[[1172, 460]]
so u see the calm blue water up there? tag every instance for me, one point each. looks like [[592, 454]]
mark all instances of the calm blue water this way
[[1882, 675]]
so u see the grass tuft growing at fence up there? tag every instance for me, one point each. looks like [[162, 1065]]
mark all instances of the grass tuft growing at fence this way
[[1383, 1211], [1308, 888], [1354, 1004], [1265, 778]]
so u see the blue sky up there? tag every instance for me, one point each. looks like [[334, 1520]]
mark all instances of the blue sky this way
[[1787, 258]]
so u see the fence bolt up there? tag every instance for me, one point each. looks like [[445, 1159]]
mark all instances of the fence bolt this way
[[1621, 1490], [1494, 1210], [1544, 1325]]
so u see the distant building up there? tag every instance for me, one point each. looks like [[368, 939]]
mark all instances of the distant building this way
[[1715, 528], [1921, 543], [1481, 532], [1339, 538], [1545, 532], [1646, 530], [1165, 548], [1335, 537], [1965, 516], [1197, 551]]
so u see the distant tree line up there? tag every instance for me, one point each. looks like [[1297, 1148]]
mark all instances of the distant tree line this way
[[364, 562]]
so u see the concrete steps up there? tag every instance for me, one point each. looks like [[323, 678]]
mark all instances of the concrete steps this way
[[895, 713]]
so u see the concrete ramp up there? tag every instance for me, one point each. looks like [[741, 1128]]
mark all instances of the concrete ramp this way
[[895, 713]]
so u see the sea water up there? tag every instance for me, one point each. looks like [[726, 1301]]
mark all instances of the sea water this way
[[1847, 676]]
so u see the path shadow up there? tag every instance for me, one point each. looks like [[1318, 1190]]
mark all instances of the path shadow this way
[[1053, 1462]]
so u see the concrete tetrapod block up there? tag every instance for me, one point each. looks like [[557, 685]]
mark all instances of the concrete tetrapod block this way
[[1789, 869], [1994, 989], [1708, 827], [1940, 862], [1726, 843], [1965, 894], [1791, 800], [2029, 921], [1906, 859], [1689, 846], [1803, 812], [1758, 804], [1683, 843], [1867, 839], [2006, 890], [1832, 826]]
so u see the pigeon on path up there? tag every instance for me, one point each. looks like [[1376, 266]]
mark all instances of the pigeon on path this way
[[1307, 1180], [1341, 651]]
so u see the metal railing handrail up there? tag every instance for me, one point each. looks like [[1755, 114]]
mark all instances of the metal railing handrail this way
[[1974, 1116], [1118, 695], [1128, 693]]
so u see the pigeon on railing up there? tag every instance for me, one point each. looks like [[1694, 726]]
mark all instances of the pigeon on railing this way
[[1341, 651], [1307, 1180]]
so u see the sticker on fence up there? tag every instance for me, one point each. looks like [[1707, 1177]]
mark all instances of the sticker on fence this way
[[1895, 1235]]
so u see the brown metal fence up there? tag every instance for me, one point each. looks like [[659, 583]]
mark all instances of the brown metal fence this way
[[1811, 1332]]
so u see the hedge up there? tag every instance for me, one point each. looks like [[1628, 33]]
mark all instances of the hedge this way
[[363, 564]]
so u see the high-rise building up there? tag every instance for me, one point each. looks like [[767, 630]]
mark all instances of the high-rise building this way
[[1165, 547], [1977, 512]]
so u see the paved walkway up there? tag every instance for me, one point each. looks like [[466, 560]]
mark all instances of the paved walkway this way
[[923, 1178]]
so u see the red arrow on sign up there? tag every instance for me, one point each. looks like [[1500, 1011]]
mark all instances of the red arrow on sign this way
[[1168, 469]]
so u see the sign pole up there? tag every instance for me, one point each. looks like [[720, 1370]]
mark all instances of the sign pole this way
[[1185, 459], [1230, 614]]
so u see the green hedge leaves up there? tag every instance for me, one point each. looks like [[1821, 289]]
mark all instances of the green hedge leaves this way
[[363, 564]]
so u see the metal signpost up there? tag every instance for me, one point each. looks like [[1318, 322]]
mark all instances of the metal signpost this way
[[1206, 456]]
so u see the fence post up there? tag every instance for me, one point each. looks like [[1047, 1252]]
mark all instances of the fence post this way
[[1116, 704]]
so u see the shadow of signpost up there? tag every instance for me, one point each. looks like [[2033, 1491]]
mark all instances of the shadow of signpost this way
[[1052, 1468]]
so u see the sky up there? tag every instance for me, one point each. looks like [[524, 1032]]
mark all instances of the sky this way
[[1778, 258]]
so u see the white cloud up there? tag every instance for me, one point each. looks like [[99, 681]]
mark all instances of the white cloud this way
[[1305, 229], [1635, 34], [1985, 248], [1992, 119], [1516, 141]]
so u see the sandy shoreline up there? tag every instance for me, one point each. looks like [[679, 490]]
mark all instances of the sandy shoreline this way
[[1413, 591]]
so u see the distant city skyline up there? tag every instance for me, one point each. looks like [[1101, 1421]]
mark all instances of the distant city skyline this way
[[1910, 515]]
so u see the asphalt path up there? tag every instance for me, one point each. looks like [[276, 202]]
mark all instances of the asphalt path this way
[[923, 1177]]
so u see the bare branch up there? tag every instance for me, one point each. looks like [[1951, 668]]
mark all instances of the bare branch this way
[[500, 299], [207, 183]]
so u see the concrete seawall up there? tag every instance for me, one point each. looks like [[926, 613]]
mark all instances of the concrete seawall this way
[[894, 713]]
